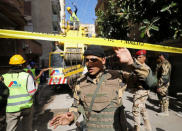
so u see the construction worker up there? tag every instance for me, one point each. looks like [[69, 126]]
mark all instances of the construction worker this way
[[36, 72], [27, 68], [141, 94], [74, 21], [33, 70], [21, 88], [163, 72]]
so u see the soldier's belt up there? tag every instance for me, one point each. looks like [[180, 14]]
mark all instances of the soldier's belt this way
[[89, 41]]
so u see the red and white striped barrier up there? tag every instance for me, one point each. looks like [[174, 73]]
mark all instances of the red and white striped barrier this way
[[56, 81]]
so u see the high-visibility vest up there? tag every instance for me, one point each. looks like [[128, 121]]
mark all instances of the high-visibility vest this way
[[73, 17], [18, 98], [29, 71], [32, 72], [34, 75]]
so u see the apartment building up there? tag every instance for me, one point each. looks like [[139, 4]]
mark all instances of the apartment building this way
[[46, 19], [12, 14], [29, 15]]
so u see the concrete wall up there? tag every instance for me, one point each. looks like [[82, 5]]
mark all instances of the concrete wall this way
[[42, 22]]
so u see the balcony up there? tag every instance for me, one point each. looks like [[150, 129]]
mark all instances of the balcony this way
[[11, 13]]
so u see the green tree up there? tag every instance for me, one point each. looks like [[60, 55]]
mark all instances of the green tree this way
[[141, 20]]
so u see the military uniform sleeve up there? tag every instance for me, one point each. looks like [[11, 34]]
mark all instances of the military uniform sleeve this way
[[139, 74], [75, 106], [72, 81], [165, 75], [141, 71], [125, 75]]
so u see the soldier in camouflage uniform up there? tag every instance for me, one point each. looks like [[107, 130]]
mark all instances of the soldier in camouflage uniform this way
[[141, 93], [163, 71], [101, 107]]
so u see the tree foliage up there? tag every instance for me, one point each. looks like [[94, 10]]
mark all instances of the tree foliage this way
[[142, 20]]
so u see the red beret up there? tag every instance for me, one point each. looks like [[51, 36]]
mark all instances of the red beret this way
[[141, 52]]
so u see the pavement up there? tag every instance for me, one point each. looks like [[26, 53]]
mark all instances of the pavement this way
[[171, 123], [60, 102]]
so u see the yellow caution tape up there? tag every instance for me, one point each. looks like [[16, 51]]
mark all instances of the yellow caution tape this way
[[90, 41], [74, 72], [71, 68]]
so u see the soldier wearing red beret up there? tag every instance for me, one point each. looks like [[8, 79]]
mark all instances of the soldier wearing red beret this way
[[141, 52], [141, 93]]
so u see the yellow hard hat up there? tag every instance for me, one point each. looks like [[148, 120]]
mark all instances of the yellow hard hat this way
[[17, 60], [68, 8]]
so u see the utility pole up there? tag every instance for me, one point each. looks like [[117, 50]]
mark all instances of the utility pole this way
[[62, 15]]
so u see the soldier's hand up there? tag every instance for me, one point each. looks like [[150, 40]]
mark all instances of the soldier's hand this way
[[124, 55], [62, 119]]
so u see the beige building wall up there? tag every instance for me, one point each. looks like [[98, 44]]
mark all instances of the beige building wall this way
[[91, 28]]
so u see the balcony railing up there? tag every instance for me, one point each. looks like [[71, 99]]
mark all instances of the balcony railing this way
[[14, 4]]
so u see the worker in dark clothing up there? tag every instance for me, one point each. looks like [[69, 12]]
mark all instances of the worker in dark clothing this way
[[4, 93]]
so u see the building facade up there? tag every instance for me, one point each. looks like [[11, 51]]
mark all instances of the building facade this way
[[12, 16], [46, 19], [91, 29], [29, 15]]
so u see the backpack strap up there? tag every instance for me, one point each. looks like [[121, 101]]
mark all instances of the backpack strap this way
[[94, 95]]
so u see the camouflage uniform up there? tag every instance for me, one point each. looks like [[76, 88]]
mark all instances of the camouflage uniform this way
[[163, 71], [140, 97], [107, 111]]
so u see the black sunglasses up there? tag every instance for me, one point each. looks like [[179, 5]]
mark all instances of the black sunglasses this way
[[91, 60]]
